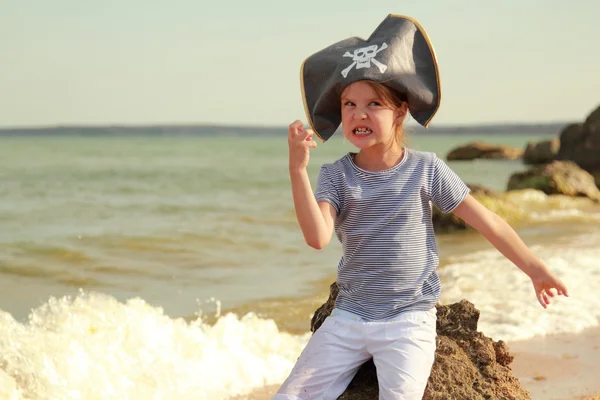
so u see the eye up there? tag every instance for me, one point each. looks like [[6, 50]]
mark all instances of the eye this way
[[348, 103], [375, 103]]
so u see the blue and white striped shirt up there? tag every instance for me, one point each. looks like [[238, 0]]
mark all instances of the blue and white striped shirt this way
[[384, 223]]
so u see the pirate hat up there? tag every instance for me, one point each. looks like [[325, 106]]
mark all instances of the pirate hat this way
[[398, 54]]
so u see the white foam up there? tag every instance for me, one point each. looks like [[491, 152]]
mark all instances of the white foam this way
[[94, 347], [527, 196], [8, 387], [569, 213], [505, 296], [541, 207]]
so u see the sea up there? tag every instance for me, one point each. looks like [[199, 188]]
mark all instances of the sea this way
[[156, 266]]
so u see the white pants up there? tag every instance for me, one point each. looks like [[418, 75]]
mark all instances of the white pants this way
[[403, 350]]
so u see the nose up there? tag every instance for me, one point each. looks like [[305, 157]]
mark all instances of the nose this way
[[360, 114]]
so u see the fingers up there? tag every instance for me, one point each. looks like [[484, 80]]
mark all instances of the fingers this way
[[297, 124], [308, 134], [297, 133], [548, 286], [543, 299], [544, 295], [562, 289], [294, 128], [559, 287]]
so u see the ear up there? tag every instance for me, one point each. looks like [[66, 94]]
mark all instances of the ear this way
[[401, 112]]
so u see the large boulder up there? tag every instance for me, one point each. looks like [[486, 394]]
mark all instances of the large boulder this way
[[558, 177], [476, 150], [581, 143], [541, 152], [494, 201], [468, 365]]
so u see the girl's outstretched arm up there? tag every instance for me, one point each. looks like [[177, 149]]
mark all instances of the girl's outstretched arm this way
[[505, 239], [315, 219]]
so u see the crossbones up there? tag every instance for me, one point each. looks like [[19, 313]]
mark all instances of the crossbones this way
[[362, 58]]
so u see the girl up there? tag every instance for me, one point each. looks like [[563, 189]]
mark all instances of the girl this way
[[378, 201]]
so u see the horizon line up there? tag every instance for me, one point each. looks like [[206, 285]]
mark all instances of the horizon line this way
[[268, 126]]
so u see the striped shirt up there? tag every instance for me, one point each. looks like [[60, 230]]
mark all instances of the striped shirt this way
[[383, 220]]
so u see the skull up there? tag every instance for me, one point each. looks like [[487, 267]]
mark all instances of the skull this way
[[364, 55]]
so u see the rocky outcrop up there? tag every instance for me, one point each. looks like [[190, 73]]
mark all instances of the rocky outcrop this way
[[476, 150], [468, 365], [541, 152], [580, 143], [494, 201], [558, 177]]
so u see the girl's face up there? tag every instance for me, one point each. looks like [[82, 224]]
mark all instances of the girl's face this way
[[366, 120]]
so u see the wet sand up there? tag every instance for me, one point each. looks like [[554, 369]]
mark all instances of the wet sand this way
[[559, 367]]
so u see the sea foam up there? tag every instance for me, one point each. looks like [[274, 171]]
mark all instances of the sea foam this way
[[94, 347], [505, 295]]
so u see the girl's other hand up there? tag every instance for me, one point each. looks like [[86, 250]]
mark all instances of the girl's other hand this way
[[300, 142], [547, 285]]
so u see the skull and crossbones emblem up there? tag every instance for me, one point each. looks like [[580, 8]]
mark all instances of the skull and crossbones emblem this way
[[363, 57]]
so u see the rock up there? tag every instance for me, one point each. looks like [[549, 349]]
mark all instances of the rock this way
[[541, 152], [558, 177], [468, 365], [592, 124], [596, 175], [496, 202], [476, 150], [581, 143], [572, 135]]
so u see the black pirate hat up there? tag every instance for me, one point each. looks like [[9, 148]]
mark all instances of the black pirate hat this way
[[398, 54]]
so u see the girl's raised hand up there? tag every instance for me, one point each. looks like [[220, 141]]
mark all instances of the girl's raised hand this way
[[300, 141], [547, 285]]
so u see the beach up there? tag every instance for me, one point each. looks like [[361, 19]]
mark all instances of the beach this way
[[561, 367], [152, 266]]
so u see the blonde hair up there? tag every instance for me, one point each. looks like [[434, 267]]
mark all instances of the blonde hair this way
[[393, 99]]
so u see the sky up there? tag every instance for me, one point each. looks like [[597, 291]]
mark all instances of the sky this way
[[139, 62]]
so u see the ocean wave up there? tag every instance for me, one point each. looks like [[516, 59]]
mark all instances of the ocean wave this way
[[505, 296], [92, 346], [540, 207]]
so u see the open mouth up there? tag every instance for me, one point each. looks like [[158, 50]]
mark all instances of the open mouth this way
[[362, 131]]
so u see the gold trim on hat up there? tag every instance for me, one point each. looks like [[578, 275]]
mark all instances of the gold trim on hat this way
[[306, 110]]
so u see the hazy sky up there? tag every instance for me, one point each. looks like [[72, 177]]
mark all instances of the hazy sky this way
[[237, 62]]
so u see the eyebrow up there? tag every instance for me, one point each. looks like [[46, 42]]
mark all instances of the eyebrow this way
[[343, 99]]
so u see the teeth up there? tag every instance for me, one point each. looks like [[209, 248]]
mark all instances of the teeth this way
[[362, 131]]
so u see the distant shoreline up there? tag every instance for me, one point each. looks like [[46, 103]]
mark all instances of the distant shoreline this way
[[234, 130]]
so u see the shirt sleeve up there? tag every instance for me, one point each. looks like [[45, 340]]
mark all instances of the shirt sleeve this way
[[326, 190], [447, 189]]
